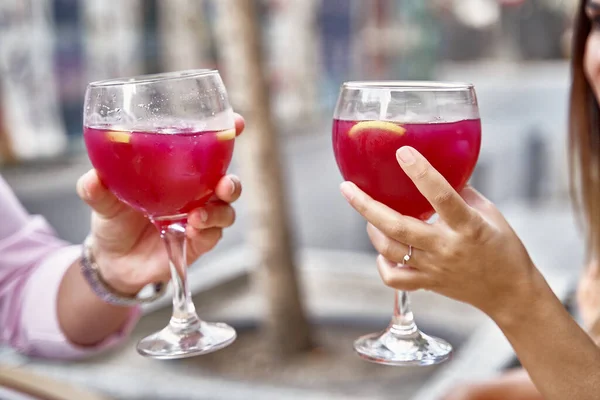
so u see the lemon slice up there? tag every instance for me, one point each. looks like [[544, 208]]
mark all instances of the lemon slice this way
[[119, 136], [382, 125], [226, 135]]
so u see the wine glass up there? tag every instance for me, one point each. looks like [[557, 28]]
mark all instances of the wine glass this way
[[161, 143], [371, 121]]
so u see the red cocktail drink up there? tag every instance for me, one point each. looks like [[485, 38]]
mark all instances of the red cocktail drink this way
[[366, 155], [160, 174]]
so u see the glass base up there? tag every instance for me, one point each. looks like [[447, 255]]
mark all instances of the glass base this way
[[204, 338], [389, 348]]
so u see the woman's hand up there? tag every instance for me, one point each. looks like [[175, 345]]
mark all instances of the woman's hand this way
[[470, 253], [128, 248]]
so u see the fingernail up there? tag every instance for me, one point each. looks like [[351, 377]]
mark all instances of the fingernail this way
[[233, 183], [203, 216], [348, 190], [84, 183], [405, 155]]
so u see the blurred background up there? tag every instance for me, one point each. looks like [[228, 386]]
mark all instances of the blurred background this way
[[516, 53]]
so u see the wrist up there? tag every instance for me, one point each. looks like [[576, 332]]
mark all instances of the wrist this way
[[531, 296], [111, 278], [106, 289]]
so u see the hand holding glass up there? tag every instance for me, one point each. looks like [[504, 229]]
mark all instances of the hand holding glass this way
[[372, 121], [161, 143]]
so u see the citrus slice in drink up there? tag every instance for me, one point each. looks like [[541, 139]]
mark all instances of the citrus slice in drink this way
[[119, 136], [226, 135], [379, 125]]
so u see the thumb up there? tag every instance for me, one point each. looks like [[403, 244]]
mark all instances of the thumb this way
[[240, 124], [91, 190]]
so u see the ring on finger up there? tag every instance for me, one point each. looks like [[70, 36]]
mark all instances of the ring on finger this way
[[407, 257]]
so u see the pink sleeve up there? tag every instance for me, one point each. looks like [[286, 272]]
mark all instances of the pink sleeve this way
[[32, 263], [39, 321]]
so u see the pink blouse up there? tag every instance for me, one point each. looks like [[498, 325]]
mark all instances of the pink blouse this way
[[32, 263]]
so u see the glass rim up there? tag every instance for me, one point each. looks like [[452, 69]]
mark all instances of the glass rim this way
[[406, 86], [152, 78]]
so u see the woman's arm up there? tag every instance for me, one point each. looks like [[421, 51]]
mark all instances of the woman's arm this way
[[517, 384], [561, 359], [472, 254]]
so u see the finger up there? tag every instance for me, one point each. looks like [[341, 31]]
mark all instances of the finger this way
[[229, 188], [400, 278], [91, 190], [202, 241], [204, 236], [214, 215], [436, 189], [164, 277], [391, 249], [402, 228], [476, 200], [240, 124]]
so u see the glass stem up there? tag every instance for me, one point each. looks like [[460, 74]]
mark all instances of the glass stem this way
[[403, 323], [184, 313]]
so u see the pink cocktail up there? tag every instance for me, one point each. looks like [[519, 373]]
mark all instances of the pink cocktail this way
[[372, 120], [160, 174], [161, 143], [366, 155]]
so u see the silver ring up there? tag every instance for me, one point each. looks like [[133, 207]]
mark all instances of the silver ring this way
[[407, 257]]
